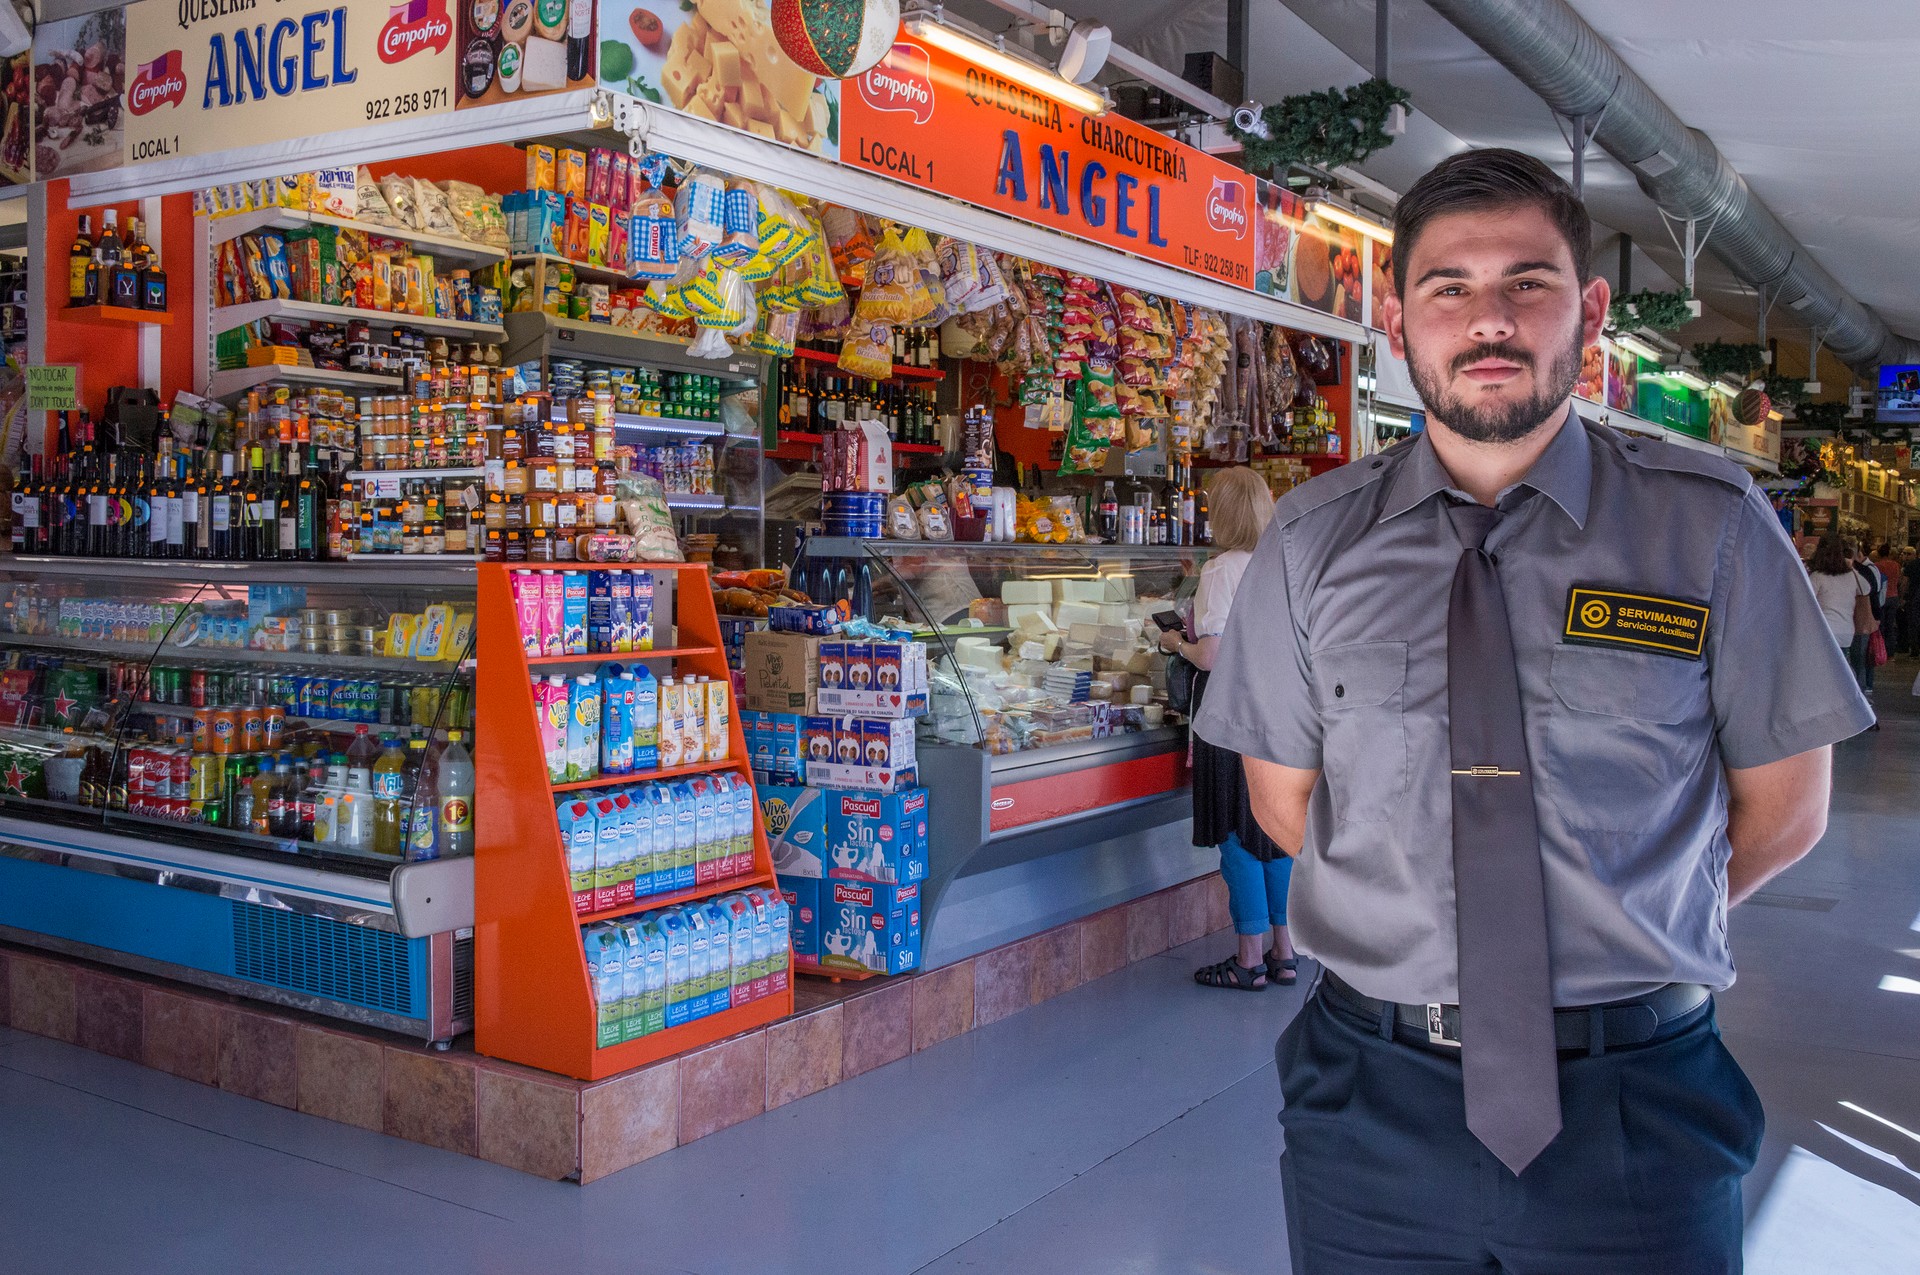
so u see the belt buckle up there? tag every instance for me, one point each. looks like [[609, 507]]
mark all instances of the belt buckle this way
[[1437, 1027]]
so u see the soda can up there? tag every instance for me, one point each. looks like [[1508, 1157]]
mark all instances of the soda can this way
[[224, 736], [276, 727], [213, 812], [197, 688], [137, 779], [302, 696], [366, 701], [253, 728], [340, 699], [425, 705], [180, 770], [203, 777], [203, 730], [385, 705]]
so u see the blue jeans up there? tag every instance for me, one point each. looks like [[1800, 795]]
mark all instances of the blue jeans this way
[[1256, 891]]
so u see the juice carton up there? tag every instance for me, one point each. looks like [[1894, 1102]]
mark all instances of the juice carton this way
[[660, 807], [887, 742], [802, 896], [875, 836], [849, 744], [642, 622], [579, 834], [859, 666], [619, 697], [866, 925], [740, 918], [693, 722], [719, 720], [553, 610], [833, 666], [646, 719], [713, 840], [600, 622], [526, 605], [686, 838], [796, 828], [550, 710], [699, 960], [673, 930], [573, 616], [633, 979], [635, 876], [819, 737], [583, 728], [653, 993], [672, 710], [607, 856], [606, 962]]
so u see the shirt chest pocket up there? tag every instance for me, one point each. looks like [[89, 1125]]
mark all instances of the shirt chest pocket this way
[[1625, 732], [1361, 689]]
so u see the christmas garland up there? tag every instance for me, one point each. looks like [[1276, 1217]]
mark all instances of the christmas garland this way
[[1661, 311], [1325, 129], [1821, 415], [1723, 358], [1785, 391]]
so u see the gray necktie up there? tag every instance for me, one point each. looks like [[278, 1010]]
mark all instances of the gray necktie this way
[[1507, 1060]]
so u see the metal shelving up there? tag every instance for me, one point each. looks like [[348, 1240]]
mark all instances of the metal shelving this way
[[235, 316], [451, 247], [241, 379]]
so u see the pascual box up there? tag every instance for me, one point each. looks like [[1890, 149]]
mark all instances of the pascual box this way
[[865, 925], [875, 836]]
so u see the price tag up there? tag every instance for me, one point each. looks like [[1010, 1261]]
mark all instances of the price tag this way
[[53, 387]]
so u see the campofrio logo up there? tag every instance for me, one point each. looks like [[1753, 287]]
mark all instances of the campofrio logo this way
[[1227, 207], [158, 83], [414, 27], [903, 81]]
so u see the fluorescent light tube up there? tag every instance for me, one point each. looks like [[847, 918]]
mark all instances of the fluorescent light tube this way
[[1686, 376], [1354, 221], [1005, 65], [1634, 345]]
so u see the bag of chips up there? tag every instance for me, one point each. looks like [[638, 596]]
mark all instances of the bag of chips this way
[[849, 242], [370, 204]]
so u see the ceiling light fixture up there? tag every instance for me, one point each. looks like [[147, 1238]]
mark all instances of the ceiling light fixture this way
[[1353, 221], [933, 29], [1686, 376], [1636, 345]]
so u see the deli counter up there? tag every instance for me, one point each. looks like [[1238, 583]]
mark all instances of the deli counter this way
[[1058, 778], [208, 770]]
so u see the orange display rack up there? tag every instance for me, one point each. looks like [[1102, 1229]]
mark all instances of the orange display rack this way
[[533, 1003]]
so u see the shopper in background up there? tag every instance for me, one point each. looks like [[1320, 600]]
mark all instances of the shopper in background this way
[[1910, 600], [1889, 566], [1255, 869], [1536, 703], [1865, 631]]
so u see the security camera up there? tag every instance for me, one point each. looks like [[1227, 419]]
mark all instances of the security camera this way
[[1088, 45], [1251, 117]]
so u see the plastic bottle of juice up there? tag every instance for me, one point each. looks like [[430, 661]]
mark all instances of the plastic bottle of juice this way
[[263, 784], [361, 754], [422, 810], [456, 798], [389, 798]]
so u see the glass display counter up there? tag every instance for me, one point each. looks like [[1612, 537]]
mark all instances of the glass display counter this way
[[251, 776], [1047, 730]]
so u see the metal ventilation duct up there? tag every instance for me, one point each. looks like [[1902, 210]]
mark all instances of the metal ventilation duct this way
[[1556, 54]]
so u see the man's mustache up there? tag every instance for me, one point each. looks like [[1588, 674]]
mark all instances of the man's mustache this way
[[1505, 353]]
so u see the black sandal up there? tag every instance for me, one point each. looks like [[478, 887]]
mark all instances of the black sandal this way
[[1230, 973], [1285, 973]]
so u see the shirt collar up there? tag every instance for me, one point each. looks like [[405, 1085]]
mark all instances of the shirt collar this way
[[1563, 473]]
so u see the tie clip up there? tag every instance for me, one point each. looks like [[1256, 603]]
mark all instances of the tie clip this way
[[1486, 772]]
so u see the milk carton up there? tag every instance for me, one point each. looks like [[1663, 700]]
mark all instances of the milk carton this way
[[700, 960], [730, 967], [740, 917], [602, 625], [865, 925], [680, 992], [553, 610], [635, 876], [719, 720], [802, 897], [573, 598], [583, 728], [606, 962], [743, 834], [527, 607], [607, 857], [646, 719], [550, 711], [579, 836], [796, 828], [641, 622], [874, 836], [665, 819], [653, 993], [711, 839], [761, 903], [686, 836], [693, 722], [772, 904], [619, 697], [633, 982]]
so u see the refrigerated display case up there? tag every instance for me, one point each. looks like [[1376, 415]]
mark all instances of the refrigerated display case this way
[[1048, 749], [208, 771]]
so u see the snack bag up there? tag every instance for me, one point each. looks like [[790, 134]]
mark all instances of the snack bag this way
[[399, 196], [433, 212], [919, 249], [849, 242], [369, 203], [959, 273]]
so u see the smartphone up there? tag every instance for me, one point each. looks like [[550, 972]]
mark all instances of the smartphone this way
[[1168, 620]]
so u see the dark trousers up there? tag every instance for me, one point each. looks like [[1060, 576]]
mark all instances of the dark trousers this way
[[1861, 660], [1381, 1175]]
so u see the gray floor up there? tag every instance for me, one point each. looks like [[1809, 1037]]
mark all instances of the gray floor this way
[[1125, 1127]]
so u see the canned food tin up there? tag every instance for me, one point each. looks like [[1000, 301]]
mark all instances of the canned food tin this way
[[334, 618]]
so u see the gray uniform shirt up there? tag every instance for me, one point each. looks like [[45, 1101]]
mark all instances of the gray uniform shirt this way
[[1664, 630]]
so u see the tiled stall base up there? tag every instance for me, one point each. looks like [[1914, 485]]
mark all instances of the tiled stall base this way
[[548, 1125]]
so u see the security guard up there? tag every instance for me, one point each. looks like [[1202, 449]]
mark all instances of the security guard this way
[[1533, 702]]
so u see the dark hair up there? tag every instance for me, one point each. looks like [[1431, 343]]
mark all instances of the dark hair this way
[[1829, 557], [1886, 548], [1481, 181]]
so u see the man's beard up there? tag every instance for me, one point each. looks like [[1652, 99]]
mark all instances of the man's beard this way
[[1498, 422]]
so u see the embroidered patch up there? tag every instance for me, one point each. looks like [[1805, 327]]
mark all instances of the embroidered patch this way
[[1608, 617]]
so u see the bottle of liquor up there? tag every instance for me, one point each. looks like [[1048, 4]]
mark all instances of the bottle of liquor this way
[[287, 514], [112, 251], [1189, 508], [1202, 520], [799, 400], [220, 511], [79, 258], [174, 493]]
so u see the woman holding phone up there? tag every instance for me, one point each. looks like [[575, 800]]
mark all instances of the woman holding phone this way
[[1255, 869]]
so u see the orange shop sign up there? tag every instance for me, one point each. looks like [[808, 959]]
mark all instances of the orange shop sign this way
[[928, 118]]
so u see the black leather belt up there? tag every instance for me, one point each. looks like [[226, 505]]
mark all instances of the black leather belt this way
[[1593, 1028]]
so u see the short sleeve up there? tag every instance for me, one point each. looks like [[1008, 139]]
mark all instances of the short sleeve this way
[[1780, 684], [1213, 597], [1258, 700]]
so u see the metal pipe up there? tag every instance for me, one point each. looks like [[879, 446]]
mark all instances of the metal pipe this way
[[1556, 54], [1134, 64]]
